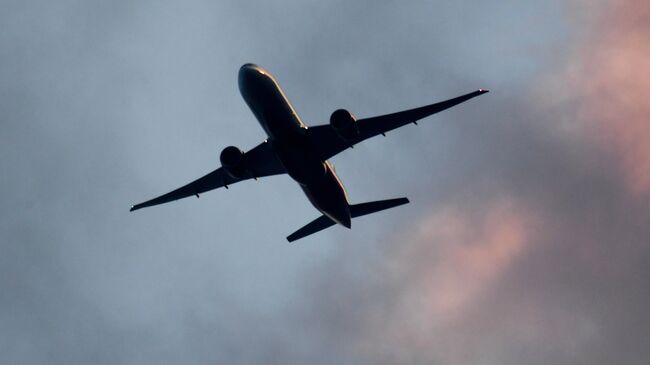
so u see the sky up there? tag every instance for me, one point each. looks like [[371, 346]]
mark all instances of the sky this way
[[526, 240]]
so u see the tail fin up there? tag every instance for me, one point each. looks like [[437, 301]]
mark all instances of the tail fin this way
[[356, 210]]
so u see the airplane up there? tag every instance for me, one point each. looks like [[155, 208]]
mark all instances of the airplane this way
[[302, 152]]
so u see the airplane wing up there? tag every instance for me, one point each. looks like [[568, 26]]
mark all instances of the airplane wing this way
[[328, 143], [260, 161]]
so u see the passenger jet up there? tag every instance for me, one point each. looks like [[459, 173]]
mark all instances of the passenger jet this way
[[302, 152]]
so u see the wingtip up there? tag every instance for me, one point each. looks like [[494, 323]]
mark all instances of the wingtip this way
[[133, 207], [483, 91]]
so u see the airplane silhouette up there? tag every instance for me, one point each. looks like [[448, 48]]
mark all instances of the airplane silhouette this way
[[302, 152]]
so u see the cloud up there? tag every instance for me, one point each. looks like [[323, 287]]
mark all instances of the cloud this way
[[523, 243], [439, 272], [538, 251], [605, 79]]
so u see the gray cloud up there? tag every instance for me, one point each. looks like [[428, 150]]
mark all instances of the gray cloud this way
[[528, 231]]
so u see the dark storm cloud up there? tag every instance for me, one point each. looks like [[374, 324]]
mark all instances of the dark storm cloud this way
[[522, 244]]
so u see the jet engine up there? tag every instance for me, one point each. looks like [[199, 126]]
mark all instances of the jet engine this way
[[232, 161], [344, 124]]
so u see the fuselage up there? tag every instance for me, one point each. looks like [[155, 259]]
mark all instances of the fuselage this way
[[289, 137]]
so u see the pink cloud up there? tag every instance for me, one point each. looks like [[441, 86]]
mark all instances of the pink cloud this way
[[608, 76], [451, 262], [552, 270]]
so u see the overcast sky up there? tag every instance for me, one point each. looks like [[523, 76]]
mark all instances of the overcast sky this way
[[526, 240]]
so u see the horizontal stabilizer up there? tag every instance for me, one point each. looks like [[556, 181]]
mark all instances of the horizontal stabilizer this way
[[314, 226], [357, 210]]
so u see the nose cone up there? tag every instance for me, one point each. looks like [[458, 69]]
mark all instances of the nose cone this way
[[251, 74], [251, 69], [248, 67], [246, 73]]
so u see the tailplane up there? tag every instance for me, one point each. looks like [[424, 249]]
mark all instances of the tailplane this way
[[356, 210], [312, 227]]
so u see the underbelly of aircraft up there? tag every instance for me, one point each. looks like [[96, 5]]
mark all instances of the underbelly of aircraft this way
[[316, 178], [328, 196], [301, 164]]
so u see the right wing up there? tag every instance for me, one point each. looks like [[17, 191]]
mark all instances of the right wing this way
[[260, 161], [328, 143]]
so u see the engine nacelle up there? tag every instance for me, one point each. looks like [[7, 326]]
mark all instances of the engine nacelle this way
[[232, 161], [344, 124]]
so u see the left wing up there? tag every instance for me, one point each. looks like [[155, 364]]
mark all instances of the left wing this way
[[260, 161], [328, 143]]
